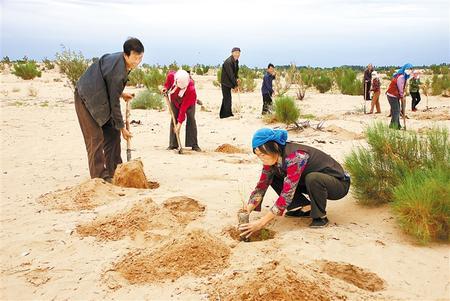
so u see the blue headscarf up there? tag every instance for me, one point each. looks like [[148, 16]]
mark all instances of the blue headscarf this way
[[402, 70], [264, 135]]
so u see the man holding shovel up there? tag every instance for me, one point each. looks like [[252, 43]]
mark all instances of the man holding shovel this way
[[97, 103], [181, 92]]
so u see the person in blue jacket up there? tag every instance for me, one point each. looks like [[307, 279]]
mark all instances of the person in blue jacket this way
[[267, 89]]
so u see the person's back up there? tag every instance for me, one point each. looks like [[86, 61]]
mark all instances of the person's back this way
[[94, 89]]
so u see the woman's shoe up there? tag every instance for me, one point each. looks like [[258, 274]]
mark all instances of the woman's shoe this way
[[320, 222]]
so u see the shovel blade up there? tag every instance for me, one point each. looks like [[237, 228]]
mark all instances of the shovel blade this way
[[128, 155]]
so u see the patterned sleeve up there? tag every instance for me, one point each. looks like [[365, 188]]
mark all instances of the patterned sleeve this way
[[295, 164], [264, 182]]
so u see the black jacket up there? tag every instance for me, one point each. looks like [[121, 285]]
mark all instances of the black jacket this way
[[318, 161], [101, 86], [230, 69]]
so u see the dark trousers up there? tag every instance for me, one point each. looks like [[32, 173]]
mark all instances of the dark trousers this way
[[225, 109], [415, 99], [367, 90], [394, 102], [267, 104], [319, 187], [191, 128], [102, 142]]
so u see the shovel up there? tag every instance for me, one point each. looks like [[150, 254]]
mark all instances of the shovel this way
[[127, 126], [174, 121]]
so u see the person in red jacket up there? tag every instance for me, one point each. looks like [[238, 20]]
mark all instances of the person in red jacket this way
[[181, 90]]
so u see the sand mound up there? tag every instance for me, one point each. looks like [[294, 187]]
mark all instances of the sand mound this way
[[229, 149], [269, 282], [184, 209], [131, 174], [343, 134], [354, 275], [195, 253], [87, 195], [141, 217], [263, 234]]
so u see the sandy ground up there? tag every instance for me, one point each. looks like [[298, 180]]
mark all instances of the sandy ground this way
[[43, 257]]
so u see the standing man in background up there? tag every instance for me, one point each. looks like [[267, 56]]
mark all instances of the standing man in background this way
[[267, 89], [229, 80]]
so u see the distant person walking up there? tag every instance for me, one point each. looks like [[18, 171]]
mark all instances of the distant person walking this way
[[396, 94], [267, 89], [97, 103], [414, 89], [367, 81], [376, 93], [229, 80]]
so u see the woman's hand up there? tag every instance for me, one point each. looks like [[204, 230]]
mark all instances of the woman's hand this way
[[250, 228]]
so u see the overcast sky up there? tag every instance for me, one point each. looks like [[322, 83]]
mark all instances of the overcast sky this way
[[306, 32]]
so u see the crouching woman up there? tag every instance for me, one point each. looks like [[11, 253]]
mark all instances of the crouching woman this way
[[294, 170]]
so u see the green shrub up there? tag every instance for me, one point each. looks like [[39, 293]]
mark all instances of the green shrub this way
[[136, 77], [440, 84], [72, 64], [286, 110], [216, 83], [347, 82], [6, 60], [153, 78], [173, 66], [422, 204], [48, 65], [391, 156], [27, 70], [148, 100], [248, 79], [323, 83]]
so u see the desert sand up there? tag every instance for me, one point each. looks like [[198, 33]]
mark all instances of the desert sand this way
[[65, 237]]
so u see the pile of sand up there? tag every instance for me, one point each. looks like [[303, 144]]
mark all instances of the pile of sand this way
[[131, 174], [354, 275], [195, 253], [142, 216], [273, 282], [184, 208], [87, 195], [263, 234], [229, 149], [343, 134]]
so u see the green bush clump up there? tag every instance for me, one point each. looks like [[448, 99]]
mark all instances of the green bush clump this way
[[26, 70], [440, 84], [323, 83], [422, 204], [286, 110], [153, 78], [347, 82], [136, 77], [48, 65], [72, 64], [216, 83], [148, 100], [409, 170]]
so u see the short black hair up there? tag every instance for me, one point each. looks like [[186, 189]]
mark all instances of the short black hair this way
[[270, 65], [270, 148], [133, 44]]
